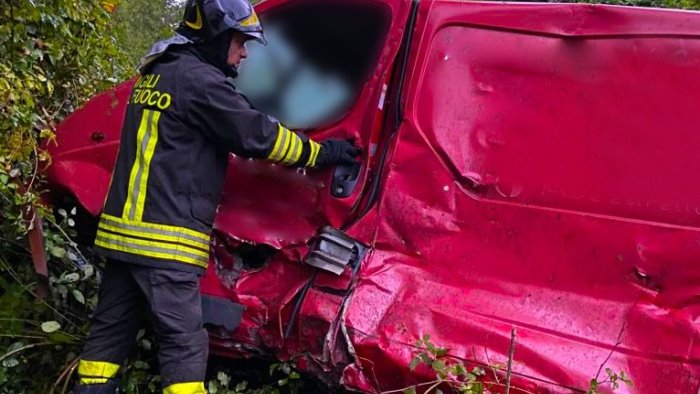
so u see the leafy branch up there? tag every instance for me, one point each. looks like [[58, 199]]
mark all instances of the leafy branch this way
[[613, 380], [451, 373]]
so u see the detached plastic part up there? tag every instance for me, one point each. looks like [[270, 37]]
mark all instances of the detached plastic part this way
[[333, 250]]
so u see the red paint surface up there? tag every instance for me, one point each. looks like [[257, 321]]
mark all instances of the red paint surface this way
[[86, 145], [543, 178]]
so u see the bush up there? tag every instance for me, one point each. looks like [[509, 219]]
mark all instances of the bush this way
[[56, 55]]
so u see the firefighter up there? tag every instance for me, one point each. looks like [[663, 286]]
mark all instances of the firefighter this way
[[183, 118]]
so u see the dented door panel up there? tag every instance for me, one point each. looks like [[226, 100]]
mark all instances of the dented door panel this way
[[291, 309]]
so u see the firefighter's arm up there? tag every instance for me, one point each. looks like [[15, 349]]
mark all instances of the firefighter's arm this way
[[227, 118]]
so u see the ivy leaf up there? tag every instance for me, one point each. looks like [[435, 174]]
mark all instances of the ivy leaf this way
[[626, 379], [79, 296], [286, 368], [70, 278], [10, 362], [58, 252], [438, 366], [223, 378], [460, 370], [593, 387], [88, 271], [414, 363], [50, 326], [59, 337], [15, 346], [440, 352]]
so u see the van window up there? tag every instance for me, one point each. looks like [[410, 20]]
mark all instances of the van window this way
[[318, 57]]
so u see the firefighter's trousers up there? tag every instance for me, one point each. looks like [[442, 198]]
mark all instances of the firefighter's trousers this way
[[172, 302]]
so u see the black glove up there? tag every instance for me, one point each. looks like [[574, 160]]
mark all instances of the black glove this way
[[336, 151]]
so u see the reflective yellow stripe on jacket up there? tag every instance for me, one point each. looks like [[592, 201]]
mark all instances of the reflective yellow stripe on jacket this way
[[129, 233], [288, 147], [146, 140], [153, 240], [315, 148]]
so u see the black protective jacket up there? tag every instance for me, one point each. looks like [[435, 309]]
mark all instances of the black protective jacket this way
[[183, 118]]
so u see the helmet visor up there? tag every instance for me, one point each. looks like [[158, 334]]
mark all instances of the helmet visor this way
[[257, 36]]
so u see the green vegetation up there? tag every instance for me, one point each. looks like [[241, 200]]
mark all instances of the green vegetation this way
[[56, 54], [451, 375], [140, 23]]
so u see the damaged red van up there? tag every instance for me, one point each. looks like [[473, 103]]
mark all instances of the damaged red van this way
[[529, 166]]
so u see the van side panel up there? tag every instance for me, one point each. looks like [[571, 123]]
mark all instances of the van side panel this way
[[544, 179]]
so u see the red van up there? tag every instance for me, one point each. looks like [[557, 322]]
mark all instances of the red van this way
[[525, 165]]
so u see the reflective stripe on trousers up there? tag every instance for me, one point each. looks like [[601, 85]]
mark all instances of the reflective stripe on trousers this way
[[185, 388], [172, 301], [96, 372]]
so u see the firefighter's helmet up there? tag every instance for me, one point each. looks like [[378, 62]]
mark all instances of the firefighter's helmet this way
[[206, 19]]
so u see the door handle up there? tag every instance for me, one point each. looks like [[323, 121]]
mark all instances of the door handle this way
[[345, 177]]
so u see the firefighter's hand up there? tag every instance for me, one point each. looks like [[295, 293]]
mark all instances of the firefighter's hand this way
[[336, 151]]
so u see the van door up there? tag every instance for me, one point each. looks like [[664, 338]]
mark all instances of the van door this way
[[544, 179], [324, 72]]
